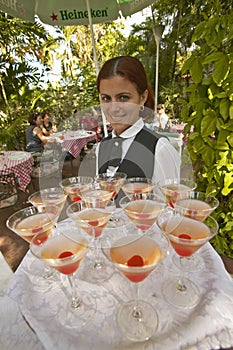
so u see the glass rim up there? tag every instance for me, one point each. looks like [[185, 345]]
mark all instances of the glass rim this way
[[213, 205], [213, 230], [73, 178], [139, 236], [37, 212], [74, 256]]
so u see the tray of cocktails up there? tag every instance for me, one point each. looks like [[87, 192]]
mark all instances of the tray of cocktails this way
[[206, 325]]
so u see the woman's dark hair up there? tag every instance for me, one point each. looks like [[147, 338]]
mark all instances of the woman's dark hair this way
[[43, 114], [131, 69], [32, 118]]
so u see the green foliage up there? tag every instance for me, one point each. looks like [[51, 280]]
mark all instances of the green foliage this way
[[208, 111], [28, 54]]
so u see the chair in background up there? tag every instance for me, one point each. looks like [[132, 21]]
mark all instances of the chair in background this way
[[8, 190], [46, 167]]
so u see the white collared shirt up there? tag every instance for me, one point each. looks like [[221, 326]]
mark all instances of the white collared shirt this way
[[167, 159], [129, 135]]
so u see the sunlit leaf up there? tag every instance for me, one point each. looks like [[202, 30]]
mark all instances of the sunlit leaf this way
[[196, 71], [208, 156], [221, 69], [208, 124]]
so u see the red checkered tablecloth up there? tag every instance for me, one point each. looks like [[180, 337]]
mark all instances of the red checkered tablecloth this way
[[17, 162], [75, 145]]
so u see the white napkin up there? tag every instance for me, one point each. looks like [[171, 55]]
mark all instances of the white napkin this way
[[207, 326], [5, 274]]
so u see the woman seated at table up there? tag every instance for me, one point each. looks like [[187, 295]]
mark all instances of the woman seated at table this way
[[47, 126], [35, 139]]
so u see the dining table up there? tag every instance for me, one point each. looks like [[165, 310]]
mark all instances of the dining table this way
[[18, 162], [28, 313], [73, 141], [178, 127]]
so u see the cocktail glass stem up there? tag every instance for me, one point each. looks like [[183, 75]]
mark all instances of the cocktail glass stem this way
[[137, 313], [180, 286], [97, 252], [137, 319], [191, 263], [75, 303], [47, 272], [182, 292]]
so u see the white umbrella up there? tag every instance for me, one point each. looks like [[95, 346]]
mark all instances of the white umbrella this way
[[74, 12]]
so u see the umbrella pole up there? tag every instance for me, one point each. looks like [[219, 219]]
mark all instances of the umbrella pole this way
[[95, 57], [157, 31], [92, 37]]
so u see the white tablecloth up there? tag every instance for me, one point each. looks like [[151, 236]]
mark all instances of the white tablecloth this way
[[74, 141], [207, 326]]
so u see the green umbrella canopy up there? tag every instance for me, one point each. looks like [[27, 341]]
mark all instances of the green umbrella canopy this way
[[74, 12]]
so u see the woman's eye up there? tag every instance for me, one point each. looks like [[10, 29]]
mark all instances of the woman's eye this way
[[123, 98], [105, 98]]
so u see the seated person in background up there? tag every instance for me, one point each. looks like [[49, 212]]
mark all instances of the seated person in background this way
[[47, 127], [35, 139], [161, 118]]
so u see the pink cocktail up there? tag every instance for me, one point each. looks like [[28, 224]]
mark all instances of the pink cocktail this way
[[135, 255]]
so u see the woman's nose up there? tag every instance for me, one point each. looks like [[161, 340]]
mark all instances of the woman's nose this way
[[115, 106]]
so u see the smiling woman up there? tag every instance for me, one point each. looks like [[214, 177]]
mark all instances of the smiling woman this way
[[132, 148]]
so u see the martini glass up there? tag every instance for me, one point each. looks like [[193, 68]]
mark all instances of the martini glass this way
[[197, 206], [137, 186], [186, 237], [95, 196], [27, 223], [49, 196], [176, 189], [143, 212], [73, 186], [95, 214], [136, 256], [64, 253], [112, 182]]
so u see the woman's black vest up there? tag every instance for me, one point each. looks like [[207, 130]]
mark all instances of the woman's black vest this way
[[139, 159]]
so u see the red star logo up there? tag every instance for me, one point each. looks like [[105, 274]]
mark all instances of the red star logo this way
[[54, 17]]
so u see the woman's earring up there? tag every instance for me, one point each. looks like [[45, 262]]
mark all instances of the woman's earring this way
[[141, 108]]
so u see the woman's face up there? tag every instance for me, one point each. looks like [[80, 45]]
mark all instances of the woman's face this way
[[46, 118], [39, 120], [120, 102]]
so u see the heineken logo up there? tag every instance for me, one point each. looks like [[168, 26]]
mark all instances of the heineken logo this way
[[10, 3], [13, 5], [67, 15]]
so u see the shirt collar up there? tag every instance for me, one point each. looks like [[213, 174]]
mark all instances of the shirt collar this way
[[132, 131]]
